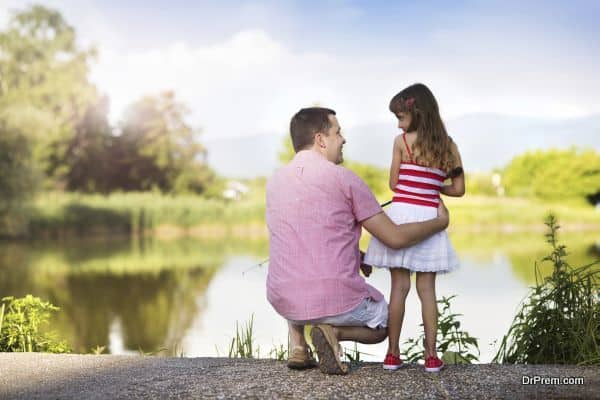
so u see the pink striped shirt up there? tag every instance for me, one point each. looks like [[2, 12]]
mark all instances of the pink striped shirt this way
[[314, 210]]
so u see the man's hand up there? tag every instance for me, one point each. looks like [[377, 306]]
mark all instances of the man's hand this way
[[365, 268], [443, 215]]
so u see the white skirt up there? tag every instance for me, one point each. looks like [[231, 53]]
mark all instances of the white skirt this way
[[434, 254]]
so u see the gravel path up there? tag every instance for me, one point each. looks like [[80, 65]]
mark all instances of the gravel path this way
[[34, 376]]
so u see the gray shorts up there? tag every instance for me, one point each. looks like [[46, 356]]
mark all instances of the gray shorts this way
[[373, 314]]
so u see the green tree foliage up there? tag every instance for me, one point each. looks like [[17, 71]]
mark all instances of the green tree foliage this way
[[157, 149], [44, 89], [46, 97], [376, 178], [287, 150], [82, 162], [554, 174], [17, 179]]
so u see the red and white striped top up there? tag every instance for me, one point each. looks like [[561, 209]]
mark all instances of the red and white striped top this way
[[418, 184]]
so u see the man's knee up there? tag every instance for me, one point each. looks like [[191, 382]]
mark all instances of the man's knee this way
[[380, 334]]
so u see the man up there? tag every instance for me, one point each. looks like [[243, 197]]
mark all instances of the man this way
[[315, 211]]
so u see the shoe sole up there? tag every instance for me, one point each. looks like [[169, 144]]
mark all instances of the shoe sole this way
[[328, 362], [392, 367], [438, 369], [301, 365]]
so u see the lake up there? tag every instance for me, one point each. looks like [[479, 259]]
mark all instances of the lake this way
[[184, 296]]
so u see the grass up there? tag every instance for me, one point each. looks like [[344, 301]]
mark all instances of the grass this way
[[57, 215], [559, 320], [484, 212], [242, 344]]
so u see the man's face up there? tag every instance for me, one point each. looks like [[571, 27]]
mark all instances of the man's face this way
[[334, 141]]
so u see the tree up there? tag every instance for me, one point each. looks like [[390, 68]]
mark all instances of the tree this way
[[554, 174], [17, 179], [287, 150], [376, 178], [158, 149], [44, 87], [85, 164]]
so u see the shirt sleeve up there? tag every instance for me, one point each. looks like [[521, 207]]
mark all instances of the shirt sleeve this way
[[364, 204]]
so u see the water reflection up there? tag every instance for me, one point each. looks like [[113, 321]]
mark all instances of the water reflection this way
[[185, 295], [151, 288]]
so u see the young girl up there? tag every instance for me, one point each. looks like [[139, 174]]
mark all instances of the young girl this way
[[424, 157]]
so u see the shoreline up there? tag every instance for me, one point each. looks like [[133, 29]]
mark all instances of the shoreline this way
[[40, 375]]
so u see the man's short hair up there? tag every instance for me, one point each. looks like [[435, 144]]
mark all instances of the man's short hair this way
[[306, 123]]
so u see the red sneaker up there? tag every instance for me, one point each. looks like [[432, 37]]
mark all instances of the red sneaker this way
[[392, 362], [433, 364]]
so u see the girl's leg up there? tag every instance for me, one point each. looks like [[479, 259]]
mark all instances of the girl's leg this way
[[400, 288], [426, 291]]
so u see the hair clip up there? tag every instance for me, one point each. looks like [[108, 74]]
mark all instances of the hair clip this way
[[408, 103]]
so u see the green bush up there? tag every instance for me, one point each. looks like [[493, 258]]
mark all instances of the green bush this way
[[20, 323], [456, 345], [554, 174], [559, 321]]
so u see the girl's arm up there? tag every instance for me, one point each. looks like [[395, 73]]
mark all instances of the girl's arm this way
[[396, 160], [456, 188]]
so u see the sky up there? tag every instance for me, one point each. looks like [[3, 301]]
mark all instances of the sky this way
[[244, 68]]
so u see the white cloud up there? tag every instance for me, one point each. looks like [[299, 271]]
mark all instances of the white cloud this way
[[255, 80], [253, 83]]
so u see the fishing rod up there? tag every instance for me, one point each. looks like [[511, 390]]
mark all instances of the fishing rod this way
[[260, 264]]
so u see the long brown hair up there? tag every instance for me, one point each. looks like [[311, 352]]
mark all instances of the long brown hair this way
[[433, 146]]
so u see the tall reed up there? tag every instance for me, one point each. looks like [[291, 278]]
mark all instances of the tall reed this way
[[242, 344], [559, 320]]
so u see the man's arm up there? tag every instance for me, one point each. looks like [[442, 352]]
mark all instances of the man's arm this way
[[405, 235]]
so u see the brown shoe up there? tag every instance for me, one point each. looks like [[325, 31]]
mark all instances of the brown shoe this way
[[301, 358], [327, 347]]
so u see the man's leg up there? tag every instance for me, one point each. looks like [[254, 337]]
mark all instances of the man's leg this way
[[361, 334], [297, 338], [300, 356], [327, 335]]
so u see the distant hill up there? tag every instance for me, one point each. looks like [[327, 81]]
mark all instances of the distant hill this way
[[486, 141]]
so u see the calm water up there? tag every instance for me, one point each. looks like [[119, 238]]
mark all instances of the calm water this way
[[186, 295]]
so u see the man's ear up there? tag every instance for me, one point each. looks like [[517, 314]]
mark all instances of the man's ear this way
[[319, 139]]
